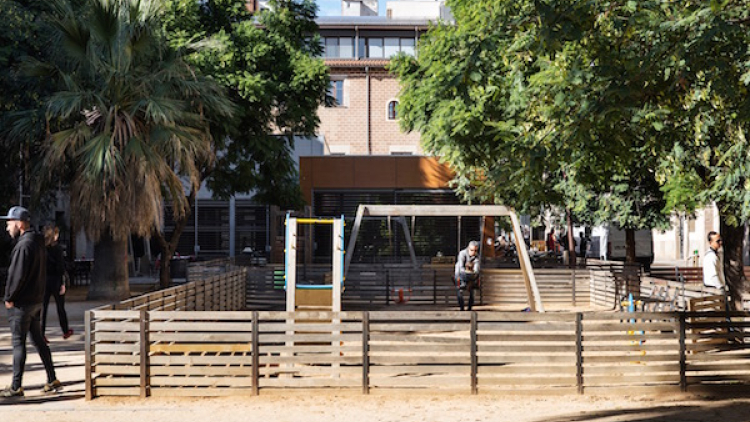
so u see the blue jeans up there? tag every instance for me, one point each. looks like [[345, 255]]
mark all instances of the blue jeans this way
[[23, 320]]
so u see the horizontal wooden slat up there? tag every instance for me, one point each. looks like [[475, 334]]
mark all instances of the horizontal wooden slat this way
[[528, 380], [199, 348], [196, 381], [401, 360], [245, 371], [436, 382], [201, 337], [308, 338], [200, 392]]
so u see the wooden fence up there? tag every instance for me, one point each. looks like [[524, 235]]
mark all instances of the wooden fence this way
[[174, 353], [115, 342], [368, 286], [558, 287]]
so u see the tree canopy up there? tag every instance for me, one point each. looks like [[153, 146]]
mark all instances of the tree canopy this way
[[632, 109], [127, 124], [270, 66]]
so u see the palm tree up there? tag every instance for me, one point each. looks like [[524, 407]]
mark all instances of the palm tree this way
[[129, 125]]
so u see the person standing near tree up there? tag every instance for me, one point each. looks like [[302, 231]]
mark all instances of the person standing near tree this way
[[552, 241], [55, 281], [713, 262], [24, 292], [582, 247]]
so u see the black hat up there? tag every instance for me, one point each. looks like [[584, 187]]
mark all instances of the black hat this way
[[17, 213]]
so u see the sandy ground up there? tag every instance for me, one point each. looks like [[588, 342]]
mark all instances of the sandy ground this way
[[318, 407]]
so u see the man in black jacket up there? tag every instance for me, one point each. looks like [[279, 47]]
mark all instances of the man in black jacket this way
[[24, 292]]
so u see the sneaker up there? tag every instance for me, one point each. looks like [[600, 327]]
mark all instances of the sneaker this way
[[53, 386], [10, 392], [67, 334]]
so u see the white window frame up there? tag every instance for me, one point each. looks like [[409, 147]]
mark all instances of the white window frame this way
[[344, 87], [339, 149], [402, 150]]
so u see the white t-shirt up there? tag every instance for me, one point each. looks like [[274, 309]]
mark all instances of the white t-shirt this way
[[713, 270]]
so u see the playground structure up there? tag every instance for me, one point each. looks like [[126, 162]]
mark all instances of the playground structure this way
[[306, 296], [400, 211], [157, 344]]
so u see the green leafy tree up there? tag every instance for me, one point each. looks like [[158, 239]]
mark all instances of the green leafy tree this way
[[269, 64], [21, 35], [130, 118], [523, 99]]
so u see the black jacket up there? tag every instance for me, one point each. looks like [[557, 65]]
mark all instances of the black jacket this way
[[27, 273], [55, 267]]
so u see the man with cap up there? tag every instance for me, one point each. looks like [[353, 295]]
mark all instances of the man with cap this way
[[24, 292]]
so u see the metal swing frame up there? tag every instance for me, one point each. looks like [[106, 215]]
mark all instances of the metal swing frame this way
[[400, 211]]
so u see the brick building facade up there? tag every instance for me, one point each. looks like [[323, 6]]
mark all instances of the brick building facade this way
[[362, 124]]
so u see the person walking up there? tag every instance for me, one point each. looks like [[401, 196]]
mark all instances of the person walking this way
[[467, 273], [55, 281], [713, 262], [24, 292]]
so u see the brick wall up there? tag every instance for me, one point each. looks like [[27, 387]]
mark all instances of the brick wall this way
[[346, 125]]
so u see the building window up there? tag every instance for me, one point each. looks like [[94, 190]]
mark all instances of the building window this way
[[336, 90], [362, 49], [346, 48], [392, 47], [402, 150], [338, 47], [332, 47], [392, 111], [339, 150], [407, 46], [375, 47]]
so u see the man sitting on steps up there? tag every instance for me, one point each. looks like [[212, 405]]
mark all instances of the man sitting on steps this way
[[467, 273]]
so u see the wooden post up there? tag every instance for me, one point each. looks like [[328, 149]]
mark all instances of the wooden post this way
[[573, 276], [290, 271], [353, 240], [145, 377], [337, 273], [387, 286], [579, 352], [87, 345], [473, 351], [366, 352], [434, 287], [409, 242], [256, 354], [683, 359], [535, 299]]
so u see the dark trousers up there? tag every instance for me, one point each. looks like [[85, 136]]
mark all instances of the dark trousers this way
[[460, 294], [24, 320], [61, 314], [468, 282]]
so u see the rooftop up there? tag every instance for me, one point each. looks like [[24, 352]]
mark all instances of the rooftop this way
[[325, 22]]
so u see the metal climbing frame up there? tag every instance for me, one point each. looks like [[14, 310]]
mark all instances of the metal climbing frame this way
[[290, 261]]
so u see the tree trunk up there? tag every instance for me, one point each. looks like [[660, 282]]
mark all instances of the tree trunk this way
[[733, 267], [630, 246], [168, 247], [109, 275], [571, 242]]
